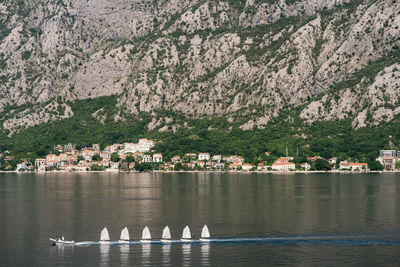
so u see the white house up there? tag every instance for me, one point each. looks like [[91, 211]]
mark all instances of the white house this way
[[344, 165], [247, 167], [157, 157], [130, 147], [306, 166], [204, 156], [146, 158], [176, 159], [21, 166], [145, 145], [216, 158], [283, 166], [40, 164], [114, 165]]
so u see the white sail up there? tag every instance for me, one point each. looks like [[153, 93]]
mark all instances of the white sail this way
[[166, 234], [146, 233], [124, 234], [204, 232], [104, 235], [186, 233]]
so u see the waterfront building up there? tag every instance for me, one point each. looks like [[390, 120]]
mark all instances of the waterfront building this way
[[283, 166], [40, 164], [201, 163], [388, 154], [114, 165], [69, 148], [234, 166], [87, 154], [157, 158], [131, 148], [145, 145], [261, 166], [106, 156], [22, 166], [219, 165], [306, 166], [389, 163], [204, 156], [146, 158], [176, 159], [247, 166], [235, 159], [344, 165], [332, 161], [216, 158]]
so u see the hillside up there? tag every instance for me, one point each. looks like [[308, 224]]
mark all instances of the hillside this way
[[164, 63]]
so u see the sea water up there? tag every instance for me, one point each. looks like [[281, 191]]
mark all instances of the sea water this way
[[254, 219]]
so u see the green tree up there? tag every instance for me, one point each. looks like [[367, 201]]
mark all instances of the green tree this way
[[375, 165], [96, 157], [321, 165], [115, 157]]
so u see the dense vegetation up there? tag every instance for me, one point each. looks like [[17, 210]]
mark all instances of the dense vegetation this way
[[216, 135]]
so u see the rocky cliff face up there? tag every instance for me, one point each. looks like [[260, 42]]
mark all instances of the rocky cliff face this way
[[240, 59]]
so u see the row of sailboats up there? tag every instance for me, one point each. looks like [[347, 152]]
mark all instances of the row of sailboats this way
[[146, 236]]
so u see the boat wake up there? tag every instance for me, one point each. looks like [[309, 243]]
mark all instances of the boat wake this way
[[345, 240]]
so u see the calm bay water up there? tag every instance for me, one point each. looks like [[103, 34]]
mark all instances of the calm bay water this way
[[314, 219]]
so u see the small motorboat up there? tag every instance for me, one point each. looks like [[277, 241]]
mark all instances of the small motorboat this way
[[205, 234], [166, 235], [61, 241], [186, 236]]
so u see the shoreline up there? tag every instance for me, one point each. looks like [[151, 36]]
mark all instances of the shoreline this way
[[204, 171]]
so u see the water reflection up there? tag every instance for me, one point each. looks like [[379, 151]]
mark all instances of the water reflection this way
[[186, 253], [146, 253], [237, 205], [124, 250], [61, 252], [166, 251], [205, 254], [104, 254]]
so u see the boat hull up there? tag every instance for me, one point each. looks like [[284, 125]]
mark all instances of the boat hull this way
[[123, 241], [104, 242], [145, 241], [205, 239], [186, 240], [166, 240], [62, 242]]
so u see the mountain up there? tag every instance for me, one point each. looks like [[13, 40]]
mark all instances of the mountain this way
[[248, 62]]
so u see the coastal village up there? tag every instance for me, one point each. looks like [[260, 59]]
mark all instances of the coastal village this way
[[141, 156]]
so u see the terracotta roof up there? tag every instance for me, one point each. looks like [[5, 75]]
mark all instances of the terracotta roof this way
[[283, 163]]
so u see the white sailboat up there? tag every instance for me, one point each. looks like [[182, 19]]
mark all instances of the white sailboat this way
[[186, 236], [124, 238], [104, 236], [146, 237], [205, 234], [166, 235]]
